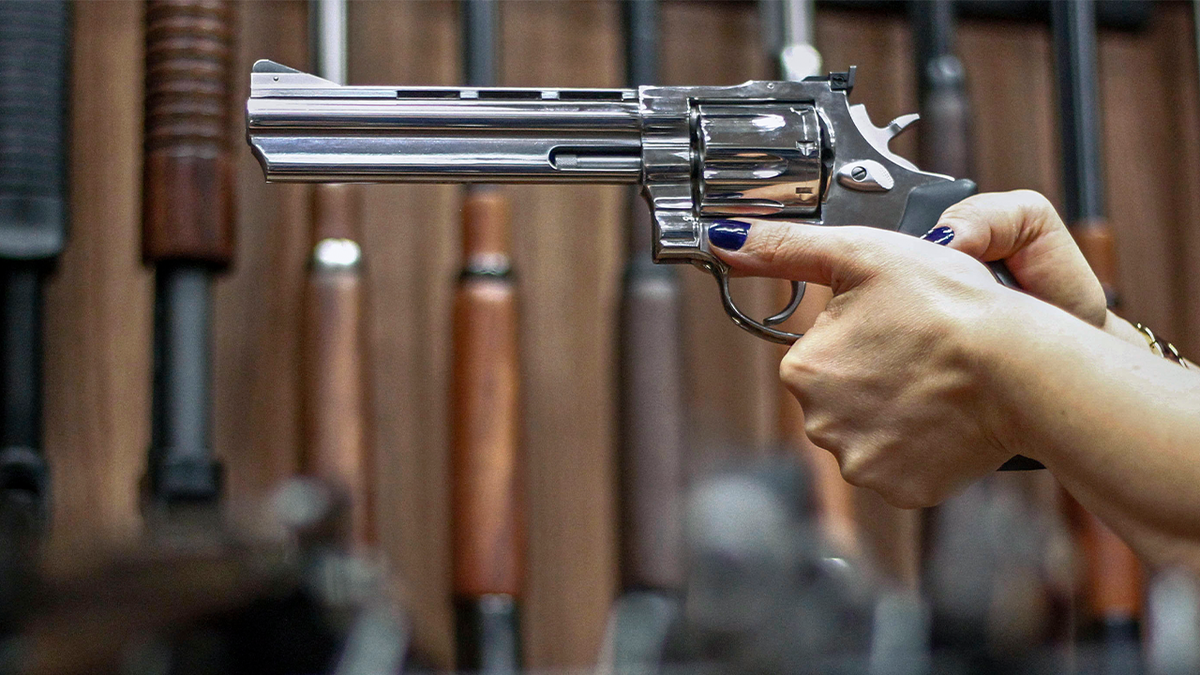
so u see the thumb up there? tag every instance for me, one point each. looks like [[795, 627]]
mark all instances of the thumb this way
[[1023, 228], [838, 257]]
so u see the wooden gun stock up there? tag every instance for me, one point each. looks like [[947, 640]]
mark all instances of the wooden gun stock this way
[[334, 400], [188, 174], [487, 520], [1095, 240]]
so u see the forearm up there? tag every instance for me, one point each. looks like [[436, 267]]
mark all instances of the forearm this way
[[1118, 426]]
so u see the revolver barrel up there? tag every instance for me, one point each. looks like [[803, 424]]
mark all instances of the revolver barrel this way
[[304, 128]]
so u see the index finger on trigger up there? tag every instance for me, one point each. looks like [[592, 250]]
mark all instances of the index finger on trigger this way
[[840, 257]]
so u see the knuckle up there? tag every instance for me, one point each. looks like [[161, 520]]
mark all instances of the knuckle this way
[[1037, 211], [853, 466], [821, 430], [773, 245]]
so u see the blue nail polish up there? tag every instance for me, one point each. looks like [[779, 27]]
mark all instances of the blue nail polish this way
[[940, 235], [728, 234]]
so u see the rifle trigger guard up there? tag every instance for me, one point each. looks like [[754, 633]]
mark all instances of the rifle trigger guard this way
[[765, 328]]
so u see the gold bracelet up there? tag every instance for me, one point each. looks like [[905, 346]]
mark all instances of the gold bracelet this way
[[1159, 346]]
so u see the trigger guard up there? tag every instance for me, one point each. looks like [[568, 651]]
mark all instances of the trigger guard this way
[[760, 329]]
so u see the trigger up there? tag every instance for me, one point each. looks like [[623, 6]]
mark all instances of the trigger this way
[[798, 288]]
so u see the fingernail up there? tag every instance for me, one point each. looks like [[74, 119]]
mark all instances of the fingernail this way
[[728, 234], [940, 235]]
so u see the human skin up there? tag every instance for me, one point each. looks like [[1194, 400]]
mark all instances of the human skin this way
[[923, 374]]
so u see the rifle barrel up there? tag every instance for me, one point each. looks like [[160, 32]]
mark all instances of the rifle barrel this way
[[651, 407]]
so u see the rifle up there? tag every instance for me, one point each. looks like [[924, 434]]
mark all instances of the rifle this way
[[487, 522], [1113, 578], [187, 235], [650, 456], [334, 394], [335, 405], [34, 63]]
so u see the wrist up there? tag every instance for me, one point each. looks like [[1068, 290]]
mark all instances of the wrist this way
[[1019, 344]]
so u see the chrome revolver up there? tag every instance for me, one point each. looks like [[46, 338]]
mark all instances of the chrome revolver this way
[[788, 150]]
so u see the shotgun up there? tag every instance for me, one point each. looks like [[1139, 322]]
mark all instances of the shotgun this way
[[187, 235], [487, 521], [812, 156], [334, 395], [650, 454], [1113, 576], [34, 63]]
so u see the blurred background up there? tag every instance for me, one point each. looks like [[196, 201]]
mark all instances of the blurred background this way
[[569, 250]]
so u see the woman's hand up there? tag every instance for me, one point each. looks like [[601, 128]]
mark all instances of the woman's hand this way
[[888, 376], [923, 373], [1023, 229]]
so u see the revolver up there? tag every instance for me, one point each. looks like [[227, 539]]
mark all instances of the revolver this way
[[788, 150]]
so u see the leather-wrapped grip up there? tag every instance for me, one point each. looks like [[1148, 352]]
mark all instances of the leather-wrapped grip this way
[[34, 81], [188, 207]]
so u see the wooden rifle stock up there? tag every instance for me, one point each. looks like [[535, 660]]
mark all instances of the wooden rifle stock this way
[[187, 230], [188, 204], [1113, 574], [334, 401], [487, 519]]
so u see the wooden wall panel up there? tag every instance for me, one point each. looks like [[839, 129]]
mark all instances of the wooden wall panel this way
[[256, 322], [567, 244], [97, 363], [569, 256], [411, 243]]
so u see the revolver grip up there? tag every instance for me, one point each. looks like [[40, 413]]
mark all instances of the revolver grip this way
[[921, 212], [925, 206]]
